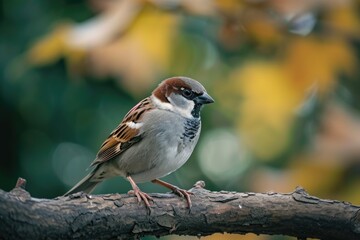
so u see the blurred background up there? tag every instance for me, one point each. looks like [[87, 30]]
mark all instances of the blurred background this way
[[284, 74]]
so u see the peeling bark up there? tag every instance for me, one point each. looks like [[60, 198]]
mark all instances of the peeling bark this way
[[110, 216]]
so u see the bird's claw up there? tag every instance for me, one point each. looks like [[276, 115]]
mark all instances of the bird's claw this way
[[141, 196], [185, 194]]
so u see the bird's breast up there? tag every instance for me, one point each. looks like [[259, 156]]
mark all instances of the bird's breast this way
[[167, 145]]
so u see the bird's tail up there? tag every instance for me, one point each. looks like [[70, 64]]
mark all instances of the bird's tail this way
[[87, 185]]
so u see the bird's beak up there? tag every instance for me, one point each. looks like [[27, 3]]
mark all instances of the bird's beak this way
[[204, 99]]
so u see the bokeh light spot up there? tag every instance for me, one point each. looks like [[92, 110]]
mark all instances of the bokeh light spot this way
[[221, 157], [70, 159]]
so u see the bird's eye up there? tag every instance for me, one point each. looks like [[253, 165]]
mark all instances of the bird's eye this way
[[187, 93]]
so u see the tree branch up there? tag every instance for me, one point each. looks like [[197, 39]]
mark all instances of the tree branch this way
[[120, 216]]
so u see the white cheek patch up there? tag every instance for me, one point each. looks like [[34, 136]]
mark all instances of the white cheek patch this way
[[186, 111], [134, 125], [161, 105]]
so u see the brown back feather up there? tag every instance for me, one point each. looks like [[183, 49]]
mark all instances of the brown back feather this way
[[123, 136]]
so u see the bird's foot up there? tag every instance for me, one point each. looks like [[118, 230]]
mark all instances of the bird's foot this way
[[183, 193], [141, 196]]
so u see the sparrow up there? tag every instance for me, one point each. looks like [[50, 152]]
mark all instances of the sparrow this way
[[155, 138]]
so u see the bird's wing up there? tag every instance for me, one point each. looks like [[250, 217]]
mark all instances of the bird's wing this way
[[125, 135]]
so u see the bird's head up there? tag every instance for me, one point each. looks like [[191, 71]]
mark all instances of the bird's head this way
[[182, 95]]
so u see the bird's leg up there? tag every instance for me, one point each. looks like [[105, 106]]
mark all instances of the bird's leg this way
[[181, 192], [138, 193]]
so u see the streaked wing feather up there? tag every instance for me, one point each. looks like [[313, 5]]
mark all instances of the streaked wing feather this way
[[123, 137], [109, 149]]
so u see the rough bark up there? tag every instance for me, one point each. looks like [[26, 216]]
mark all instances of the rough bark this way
[[111, 216]]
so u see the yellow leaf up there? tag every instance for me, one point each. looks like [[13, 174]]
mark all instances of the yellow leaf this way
[[317, 174], [50, 48], [55, 46], [344, 19], [141, 53], [305, 170], [267, 109], [229, 6], [350, 192], [262, 28], [154, 30], [313, 60]]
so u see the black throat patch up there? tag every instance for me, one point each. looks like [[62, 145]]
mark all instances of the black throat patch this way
[[191, 129], [196, 110]]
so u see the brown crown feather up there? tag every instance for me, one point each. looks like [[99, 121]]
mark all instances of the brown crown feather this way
[[168, 86]]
